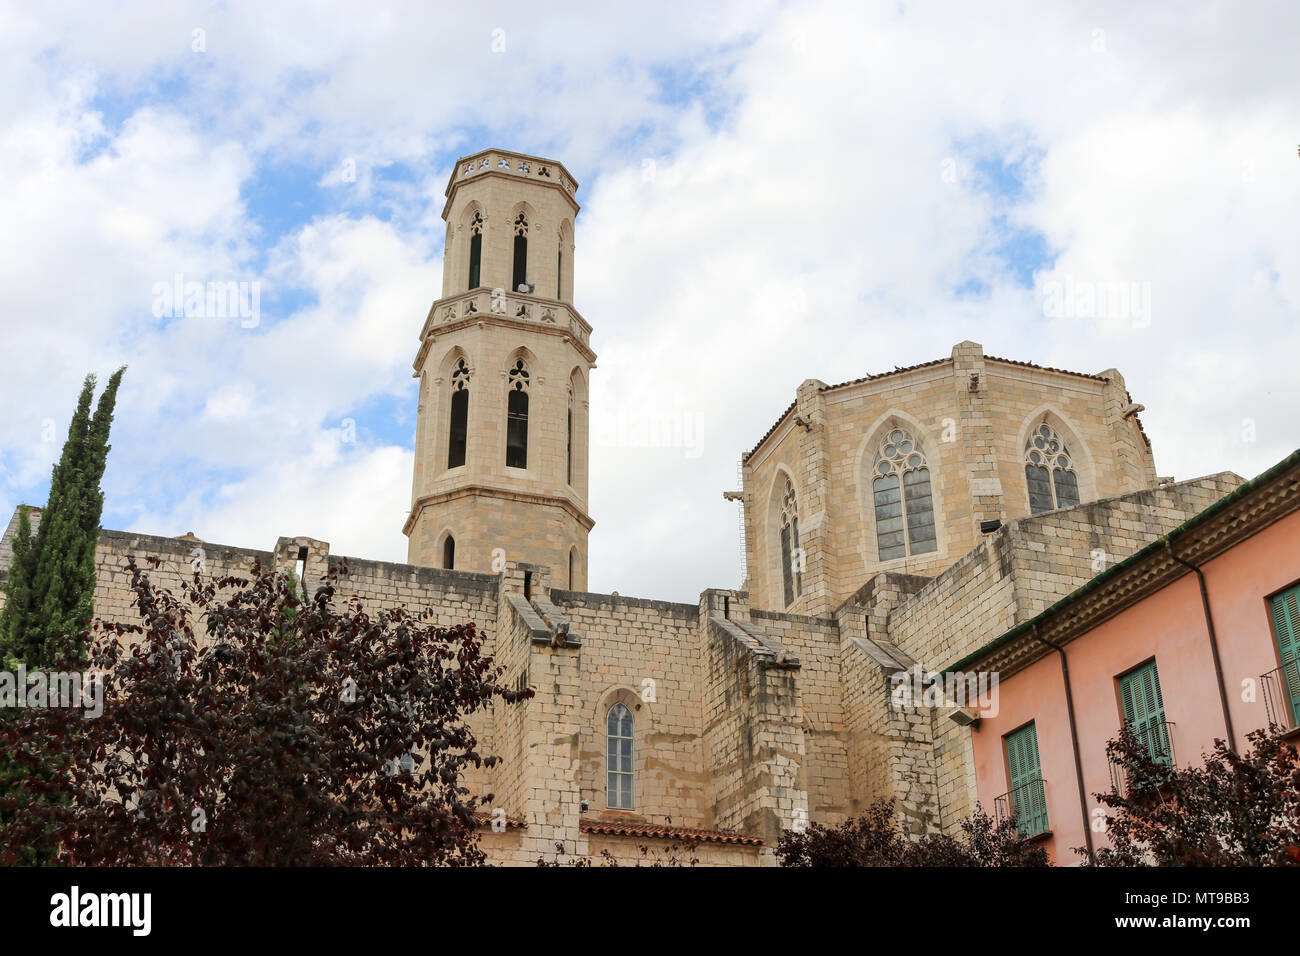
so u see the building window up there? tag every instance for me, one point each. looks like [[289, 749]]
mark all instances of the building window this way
[[458, 430], [1144, 711], [568, 454], [618, 791], [517, 417], [573, 560], [1282, 688], [559, 274], [520, 281], [792, 556], [1049, 471], [903, 502], [1027, 799], [449, 553], [475, 249]]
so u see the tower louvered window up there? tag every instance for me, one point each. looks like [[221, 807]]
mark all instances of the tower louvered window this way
[[903, 500], [1049, 471], [458, 426], [517, 416]]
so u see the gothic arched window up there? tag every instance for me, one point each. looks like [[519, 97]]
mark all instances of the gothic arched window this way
[[521, 253], [517, 417], [1049, 471], [475, 249], [792, 560], [904, 505], [449, 553], [458, 432], [618, 754], [569, 443]]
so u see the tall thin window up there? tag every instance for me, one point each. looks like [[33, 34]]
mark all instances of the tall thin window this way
[[521, 253], [1027, 799], [572, 555], [449, 553], [559, 274], [569, 446], [792, 559], [618, 791], [903, 502], [475, 249], [517, 417], [1049, 471], [458, 431]]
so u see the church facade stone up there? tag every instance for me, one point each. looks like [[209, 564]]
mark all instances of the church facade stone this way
[[902, 519]]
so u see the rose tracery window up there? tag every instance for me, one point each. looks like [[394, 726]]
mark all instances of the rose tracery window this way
[[902, 497], [792, 556], [1049, 471]]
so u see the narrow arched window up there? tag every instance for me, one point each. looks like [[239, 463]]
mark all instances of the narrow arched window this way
[[517, 417], [572, 556], [568, 448], [475, 250], [458, 431], [1049, 471], [792, 557], [618, 791], [521, 254], [559, 274], [449, 553], [903, 502]]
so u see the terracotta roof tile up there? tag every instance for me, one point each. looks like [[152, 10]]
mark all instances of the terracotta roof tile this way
[[655, 831], [485, 820]]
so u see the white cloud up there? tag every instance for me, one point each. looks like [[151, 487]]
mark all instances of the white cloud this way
[[798, 224]]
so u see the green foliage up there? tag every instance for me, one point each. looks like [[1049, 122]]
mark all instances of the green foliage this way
[[51, 585]]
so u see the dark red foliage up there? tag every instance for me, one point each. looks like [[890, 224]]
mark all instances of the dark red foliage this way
[[877, 839], [242, 726]]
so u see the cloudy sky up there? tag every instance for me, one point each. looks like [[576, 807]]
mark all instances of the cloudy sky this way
[[771, 192]]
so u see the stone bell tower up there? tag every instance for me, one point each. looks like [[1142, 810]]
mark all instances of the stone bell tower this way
[[504, 365]]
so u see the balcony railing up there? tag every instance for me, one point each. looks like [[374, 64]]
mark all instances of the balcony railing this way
[[513, 305], [1158, 739], [1027, 805], [1282, 695]]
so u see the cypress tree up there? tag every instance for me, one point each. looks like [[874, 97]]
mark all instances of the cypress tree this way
[[51, 587]]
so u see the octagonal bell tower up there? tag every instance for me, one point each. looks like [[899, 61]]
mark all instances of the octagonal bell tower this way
[[504, 364]]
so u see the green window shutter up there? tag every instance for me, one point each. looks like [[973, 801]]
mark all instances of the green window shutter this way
[[1028, 799], [1286, 625], [1144, 710]]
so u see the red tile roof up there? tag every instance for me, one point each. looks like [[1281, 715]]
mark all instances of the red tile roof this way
[[655, 831], [485, 820]]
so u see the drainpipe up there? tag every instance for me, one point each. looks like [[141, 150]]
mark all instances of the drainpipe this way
[[1074, 742], [1214, 644]]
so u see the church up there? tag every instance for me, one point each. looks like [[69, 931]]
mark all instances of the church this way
[[897, 521]]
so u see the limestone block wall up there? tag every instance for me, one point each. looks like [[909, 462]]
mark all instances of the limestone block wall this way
[[971, 415], [642, 653]]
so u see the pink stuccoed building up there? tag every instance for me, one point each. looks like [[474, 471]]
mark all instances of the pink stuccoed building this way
[[1194, 638]]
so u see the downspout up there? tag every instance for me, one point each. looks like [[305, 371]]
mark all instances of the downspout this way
[[1214, 644], [1074, 742]]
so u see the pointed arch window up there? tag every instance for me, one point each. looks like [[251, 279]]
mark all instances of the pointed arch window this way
[[475, 249], [458, 431], [569, 441], [517, 416], [618, 754], [903, 500], [792, 557], [1049, 471], [449, 553], [521, 253]]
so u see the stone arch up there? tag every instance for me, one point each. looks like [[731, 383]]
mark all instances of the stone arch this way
[[473, 218], [438, 407], [440, 548], [520, 380], [522, 218], [935, 456], [564, 265], [772, 565], [577, 447], [1085, 465]]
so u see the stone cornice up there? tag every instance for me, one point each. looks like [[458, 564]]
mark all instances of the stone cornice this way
[[506, 164], [540, 315], [487, 491]]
